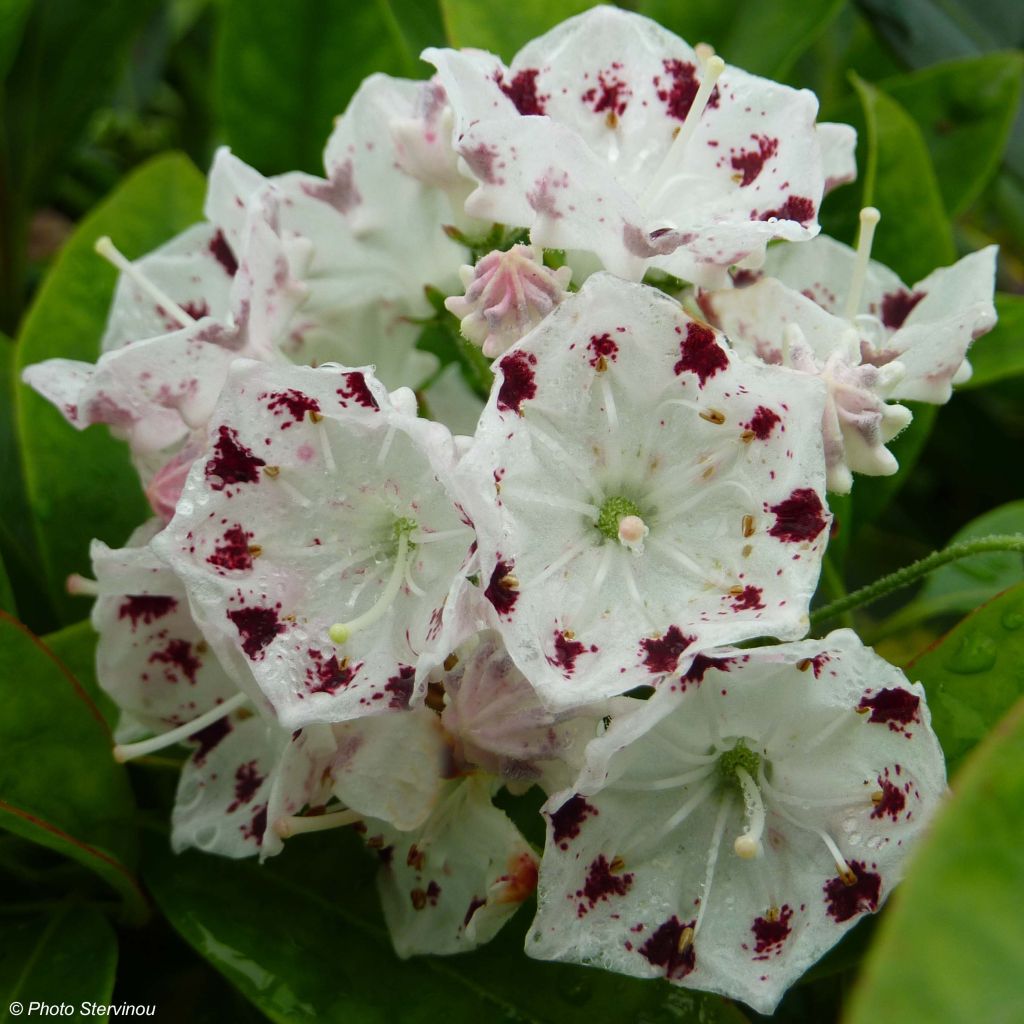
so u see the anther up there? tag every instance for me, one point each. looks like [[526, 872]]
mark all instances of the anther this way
[[293, 825], [712, 415], [272, 471], [748, 526], [869, 218], [129, 751], [617, 865], [685, 939], [106, 248], [450, 662], [255, 550], [341, 631]]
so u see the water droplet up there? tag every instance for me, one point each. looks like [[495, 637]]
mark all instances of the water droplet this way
[[976, 652], [1013, 618], [854, 839]]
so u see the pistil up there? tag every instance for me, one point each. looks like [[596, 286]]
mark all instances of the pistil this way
[[129, 751]]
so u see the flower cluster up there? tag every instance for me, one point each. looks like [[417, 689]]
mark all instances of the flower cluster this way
[[353, 616]]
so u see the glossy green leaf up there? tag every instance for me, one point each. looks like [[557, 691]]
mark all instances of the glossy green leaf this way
[[305, 938], [765, 39], [965, 109], [949, 950], [7, 602], [1000, 353], [975, 673], [284, 71], [75, 646], [963, 585], [502, 27], [69, 956], [59, 784], [81, 484]]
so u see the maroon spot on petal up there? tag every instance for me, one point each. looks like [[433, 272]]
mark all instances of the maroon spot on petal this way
[[178, 654], [518, 383], [522, 91], [567, 650], [762, 423], [503, 588], [196, 310], [567, 821], [799, 517], [897, 306], [700, 353], [339, 191], [603, 349], [771, 931], [861, 895], [892, 801], [292, 405], [700, 666], [611, 93], [601, 884], [474, 905], [256, 829], [796, 208], [257, 628], [145, 608], [680, 90], [400, 687], [671, 947], [232, 551], [328, 675], [355, 389], [661, 654], [748, 599], [817, 663], [423, 897], [895, 707], [221, 252], [208, 738], [750, 162], [741, 277], [247, 784], [481, 160], [232, 462]]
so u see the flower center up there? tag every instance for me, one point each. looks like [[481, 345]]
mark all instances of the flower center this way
[[739, 767], [741, 756], [619, 519]]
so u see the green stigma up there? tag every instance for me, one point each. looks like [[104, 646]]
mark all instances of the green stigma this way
[[741, 756], [403, 526], [612, 511]]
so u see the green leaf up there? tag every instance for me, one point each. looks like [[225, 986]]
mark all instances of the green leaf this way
[[59, 784], [69, 956], [765, 39], [504, 28], [284, 71], [12, 21], [963, 585], [81, 484], [965, 109], [305, 938], [7, 603], [75, 647], [1000, 353], [975, 673], [949, 950]]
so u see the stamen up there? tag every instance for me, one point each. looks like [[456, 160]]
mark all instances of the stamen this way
[[559, 563], [709, 876], [431, 538], [748, 845], [792, 334], [672, 782], [82, 586], [294, 493], [846, 873], [325, 448], [686, 810], [129, 751], [869, 218], [556, 501], [713, 68], [341, 631], [293, 825], [106, 248], [386, 446], [345, 563]]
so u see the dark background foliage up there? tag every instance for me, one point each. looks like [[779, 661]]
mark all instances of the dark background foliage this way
[[108, 113]]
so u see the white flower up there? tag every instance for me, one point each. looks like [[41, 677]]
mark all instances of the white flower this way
[[640, 495], [824, 309], [609, 134], [317, 538], [732, 829]]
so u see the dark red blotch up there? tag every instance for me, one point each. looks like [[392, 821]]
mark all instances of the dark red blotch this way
[[502, 597], [221, 252], [700, 353], [893, 706], [518, 383], [846, 901], [232, 462], [355, 389], [146, 608], [662, 949], [897, 306], [179, 654], [292, 404], [568, 819], [750, 162], [770, 932], [800, 517], [522, 91], [762, 422], [257, 627], [232, 552], [661, 654]]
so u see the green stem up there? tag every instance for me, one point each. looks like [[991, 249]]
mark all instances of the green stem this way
[[833, 580], [908, 574]]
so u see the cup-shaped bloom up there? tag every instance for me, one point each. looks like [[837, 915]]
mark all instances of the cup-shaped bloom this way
[[612, 135], [317, 538], [733, 828], [640, 494]]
